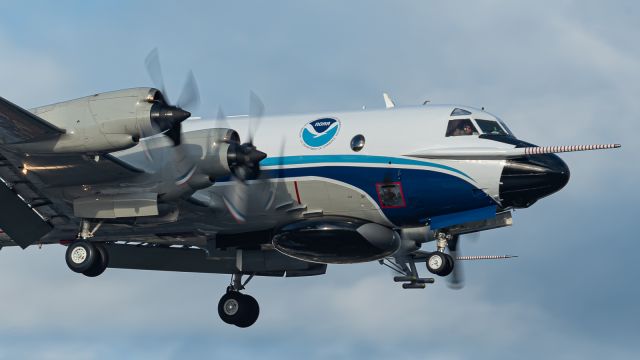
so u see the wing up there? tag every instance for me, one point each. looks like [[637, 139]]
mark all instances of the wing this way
[[19, 125], [28, 211]]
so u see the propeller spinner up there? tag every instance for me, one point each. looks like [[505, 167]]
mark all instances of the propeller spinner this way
[[167, 118]]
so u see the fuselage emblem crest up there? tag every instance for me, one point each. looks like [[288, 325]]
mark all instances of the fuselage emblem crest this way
[[319, 133]]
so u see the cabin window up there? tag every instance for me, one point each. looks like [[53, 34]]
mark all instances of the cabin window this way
[[490, 127], [357, 143], [461, 127]]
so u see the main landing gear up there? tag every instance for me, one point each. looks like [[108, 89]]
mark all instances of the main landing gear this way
[[238, 309], [85, 257]]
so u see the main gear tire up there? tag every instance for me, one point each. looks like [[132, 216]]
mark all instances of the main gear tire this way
[[250, 313], [101, 263], [238, 309], [81, 255]]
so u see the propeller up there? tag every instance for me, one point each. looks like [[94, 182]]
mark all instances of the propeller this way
[[455, 280], [167, 118], [244, 159], [244, 162], [277, 187], [256, 111]]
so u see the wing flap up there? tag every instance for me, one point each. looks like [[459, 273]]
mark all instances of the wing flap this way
[[18, 220]]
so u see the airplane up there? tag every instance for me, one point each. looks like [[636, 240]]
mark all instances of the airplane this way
[[126, 179]]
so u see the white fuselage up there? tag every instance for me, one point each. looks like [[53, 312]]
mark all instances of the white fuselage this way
[[334, 179]]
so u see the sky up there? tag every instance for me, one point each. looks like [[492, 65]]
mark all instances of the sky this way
[[557, 72]]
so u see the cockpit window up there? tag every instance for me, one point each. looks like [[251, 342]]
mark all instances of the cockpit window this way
[[504, 126], [490, 127], [461, 127], [458, 112]]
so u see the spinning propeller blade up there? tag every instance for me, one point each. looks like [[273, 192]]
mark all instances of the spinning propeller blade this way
[[221, 121], [244, 162], [456, 279], [154, 69], [165, 117], [190, 95], [256, 111]]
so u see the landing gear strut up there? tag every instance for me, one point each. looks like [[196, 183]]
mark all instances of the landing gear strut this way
[[85, 257], [238, 309]]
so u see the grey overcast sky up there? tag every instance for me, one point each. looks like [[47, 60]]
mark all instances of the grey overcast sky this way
[[558, 72]]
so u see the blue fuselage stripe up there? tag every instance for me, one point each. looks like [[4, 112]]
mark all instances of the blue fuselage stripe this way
[[427, 193], [362, 159]]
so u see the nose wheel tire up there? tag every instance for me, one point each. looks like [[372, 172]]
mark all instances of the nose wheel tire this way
[[440, 263], [238, 309]]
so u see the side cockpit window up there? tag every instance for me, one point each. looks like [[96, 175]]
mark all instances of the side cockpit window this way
[[461, 127], [490, 127]]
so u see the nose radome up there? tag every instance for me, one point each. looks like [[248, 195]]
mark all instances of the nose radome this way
[[525, 180]]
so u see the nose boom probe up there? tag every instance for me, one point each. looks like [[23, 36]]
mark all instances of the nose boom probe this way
[[478, 153]]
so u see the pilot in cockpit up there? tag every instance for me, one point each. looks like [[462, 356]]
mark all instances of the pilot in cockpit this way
[[462, 127], [466, 130]]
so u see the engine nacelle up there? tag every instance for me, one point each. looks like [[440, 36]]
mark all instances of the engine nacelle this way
[[216, 144], [202, 158], [105, 122], [336, 240]]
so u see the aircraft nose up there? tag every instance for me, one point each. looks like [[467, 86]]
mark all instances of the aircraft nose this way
[[525, 180]]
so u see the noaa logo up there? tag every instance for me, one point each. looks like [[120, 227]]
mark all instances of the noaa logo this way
[[319, 133]]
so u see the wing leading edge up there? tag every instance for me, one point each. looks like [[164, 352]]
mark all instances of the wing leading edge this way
[[19, 125], [27, 206]]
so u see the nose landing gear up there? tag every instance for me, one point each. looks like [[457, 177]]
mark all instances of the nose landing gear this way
[[236, 308], [439, 262]]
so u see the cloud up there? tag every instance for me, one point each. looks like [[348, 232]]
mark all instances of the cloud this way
[[557, 72], [352, 312]]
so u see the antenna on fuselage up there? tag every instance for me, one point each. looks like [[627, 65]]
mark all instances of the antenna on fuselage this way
[[387, 101]]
